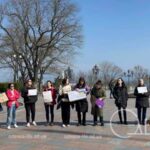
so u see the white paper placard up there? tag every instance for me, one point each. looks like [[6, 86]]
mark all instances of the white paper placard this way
[[75, 96], [47, 96], [142, 90], [32, 92], [81, 90]]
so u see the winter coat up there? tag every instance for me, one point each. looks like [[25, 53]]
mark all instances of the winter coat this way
[[13, 97], [54, 93], [121, 96], [142, 100], [82, 105], [29, 99], [95, 94], [63, 92]]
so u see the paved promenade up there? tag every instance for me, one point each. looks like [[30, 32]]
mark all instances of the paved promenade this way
[[74, 138]]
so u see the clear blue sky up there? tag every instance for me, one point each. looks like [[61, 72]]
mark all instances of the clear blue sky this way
[[115, 30]]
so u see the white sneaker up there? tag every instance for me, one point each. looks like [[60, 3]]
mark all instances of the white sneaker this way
[[68, 125], [28, 124], [9, 127], [34, 123], [63, 125], [15, 125]]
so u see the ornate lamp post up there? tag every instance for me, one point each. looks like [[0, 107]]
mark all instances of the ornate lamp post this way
[[68, 73], [129, 74]]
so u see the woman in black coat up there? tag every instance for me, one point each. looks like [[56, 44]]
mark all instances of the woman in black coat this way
[[30, 101], [82, 105], [121, 97], [142, 102]]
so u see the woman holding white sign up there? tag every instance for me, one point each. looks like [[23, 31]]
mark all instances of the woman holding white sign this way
[[65, 104], [142, 101], [29, 93], [82, 104], [49, 101]]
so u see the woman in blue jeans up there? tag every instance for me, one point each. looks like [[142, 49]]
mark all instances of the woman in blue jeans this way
[[12, 104]]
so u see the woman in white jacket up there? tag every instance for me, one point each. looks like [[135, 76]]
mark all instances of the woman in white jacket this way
[[65, 104]]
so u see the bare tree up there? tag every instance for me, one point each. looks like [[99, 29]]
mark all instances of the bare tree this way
[[43, 32], [80, 74], [109, 72], [139, 72]]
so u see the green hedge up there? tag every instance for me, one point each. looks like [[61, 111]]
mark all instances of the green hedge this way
[[4, 86]]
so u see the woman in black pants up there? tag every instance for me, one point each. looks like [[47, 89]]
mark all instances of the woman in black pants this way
[[30, 101], [121, 97], [142, 101], [1, 108], [82, 105], [65, 104], [49, 107]]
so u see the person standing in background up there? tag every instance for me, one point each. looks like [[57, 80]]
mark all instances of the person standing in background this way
[[111, 87], [12, 104]]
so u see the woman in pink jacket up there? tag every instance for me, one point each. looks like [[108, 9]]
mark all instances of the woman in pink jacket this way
[[12, 104]]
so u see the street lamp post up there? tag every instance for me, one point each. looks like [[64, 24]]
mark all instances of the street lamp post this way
[[129, 74], [68, 73], [148, 79], [16, 66], [95, 71]]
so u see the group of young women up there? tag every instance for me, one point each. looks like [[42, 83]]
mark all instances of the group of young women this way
[[60, 97]]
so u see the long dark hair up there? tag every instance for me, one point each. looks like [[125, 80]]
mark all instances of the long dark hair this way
[[64, 81], [81, 79], [9, 85], [139, 82], [49, 81], [99, 82], [123, 83], [27, 81]]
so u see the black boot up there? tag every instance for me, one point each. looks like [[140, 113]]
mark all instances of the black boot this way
[[120, 116], [139, 115], [84, 119], [84, 123], [95, 120], [144, 116], [125, 117], [79, 118], [101, 121], [95, 124]]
